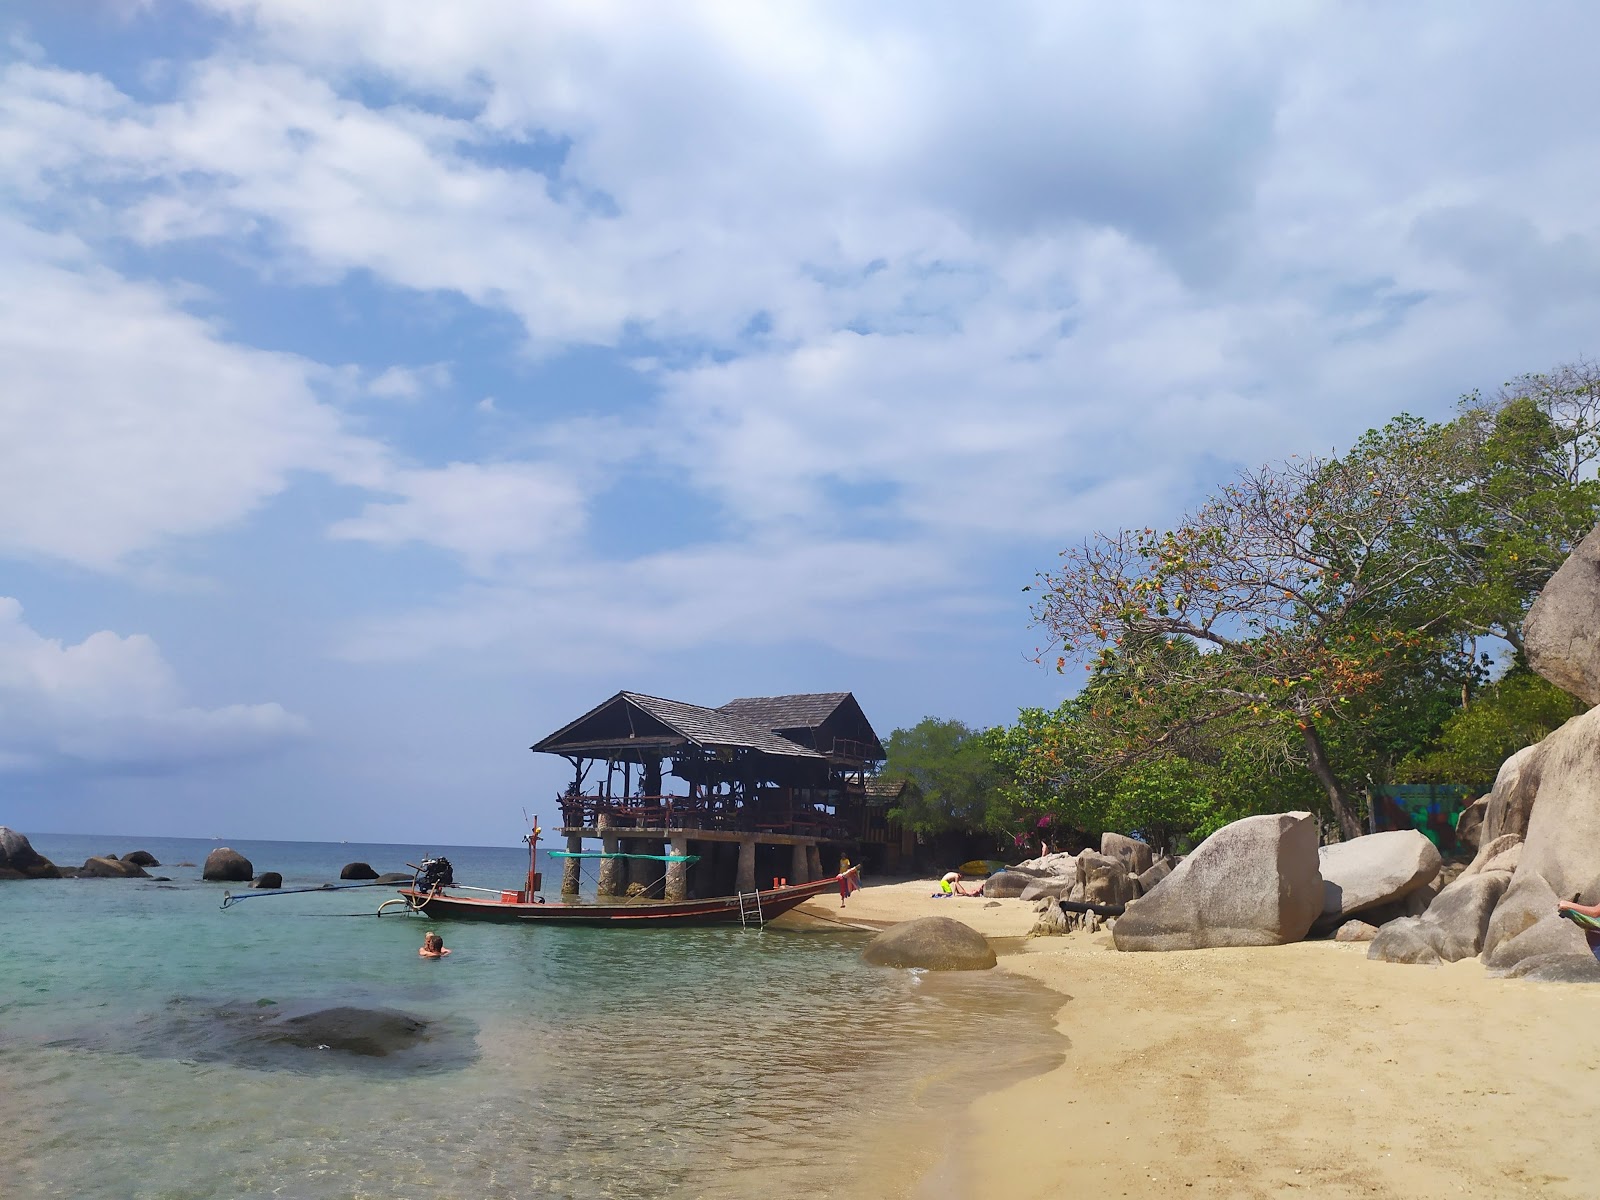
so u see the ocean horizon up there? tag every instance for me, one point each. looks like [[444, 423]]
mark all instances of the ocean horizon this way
[[555, 1062]]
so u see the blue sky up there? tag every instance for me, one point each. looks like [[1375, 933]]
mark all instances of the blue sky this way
[[387, 383]]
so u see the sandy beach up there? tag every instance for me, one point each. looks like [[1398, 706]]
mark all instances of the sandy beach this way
[[1301, 1070]]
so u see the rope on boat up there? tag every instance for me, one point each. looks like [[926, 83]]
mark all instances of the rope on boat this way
[[229, 899]]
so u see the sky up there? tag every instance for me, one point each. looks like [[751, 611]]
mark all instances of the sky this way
[[388, 382]]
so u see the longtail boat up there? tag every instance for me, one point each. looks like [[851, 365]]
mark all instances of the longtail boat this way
[[435, 893]]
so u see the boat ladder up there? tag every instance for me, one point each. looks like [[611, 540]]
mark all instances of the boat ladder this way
[[750, 909]]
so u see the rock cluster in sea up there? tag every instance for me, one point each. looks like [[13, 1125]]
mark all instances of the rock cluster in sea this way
[[19, 860]]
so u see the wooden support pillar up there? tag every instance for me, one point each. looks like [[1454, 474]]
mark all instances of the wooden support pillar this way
[[572, 868], [611, 874], [678, 872], [799, 867], [814, 861], [745, 880]]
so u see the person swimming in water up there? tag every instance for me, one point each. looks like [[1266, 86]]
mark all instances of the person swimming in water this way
[[432, 946]]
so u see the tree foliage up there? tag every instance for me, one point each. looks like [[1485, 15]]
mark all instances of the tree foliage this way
[[951, 773], [1516, 710]]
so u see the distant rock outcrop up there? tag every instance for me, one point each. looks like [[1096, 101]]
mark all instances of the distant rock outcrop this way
[[227, 865], [933, 943], [357, 870], [108, 866], [19, 860], [268, 879], [141, 858], [1252, 883]]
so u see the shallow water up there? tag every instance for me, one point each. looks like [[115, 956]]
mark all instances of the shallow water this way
[[561, 1062]]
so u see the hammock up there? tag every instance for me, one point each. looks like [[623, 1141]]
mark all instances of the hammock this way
[[668, 858]]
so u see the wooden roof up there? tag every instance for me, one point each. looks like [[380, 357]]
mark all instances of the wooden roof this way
[[810, 711], [631, 722]]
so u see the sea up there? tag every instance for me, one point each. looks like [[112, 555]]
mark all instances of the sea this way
[[138, 1056]]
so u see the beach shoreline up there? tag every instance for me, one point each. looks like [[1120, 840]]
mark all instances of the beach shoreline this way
[[1300, 1070]]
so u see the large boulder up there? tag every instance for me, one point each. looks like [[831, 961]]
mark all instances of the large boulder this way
[[19, 860], [1453, 927], [1103, 879], [1511, 802], [1469, 825], [1047, 889], [934, 943], [1252, 883], [110, 867], [268, 879], [1135, 855], [1374, 870], [1156, 872], [1049, 864], [141, 858], [1011, 883], [1561, 633], [227, 865], [357, 870]]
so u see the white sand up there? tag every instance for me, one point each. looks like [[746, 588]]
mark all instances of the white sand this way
[[1301, 1070]]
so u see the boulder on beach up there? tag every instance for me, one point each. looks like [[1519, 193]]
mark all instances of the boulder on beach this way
[[226, 865], [1374, 870], [1355, 931], [1011, 883], [1510, 803], [1050, 864], [1561, 633], [357, 870], [267, 879], [1452, 928], [1104, 879], [1252, 883], [19, 860], [141, 858], [933, 943], [1156, 872], [1047, 889], [108, 866], [1134, 854], [1469, 825]]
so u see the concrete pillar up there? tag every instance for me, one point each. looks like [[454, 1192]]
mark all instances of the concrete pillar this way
[[646, 872], [799, 867], [814, 861], [678, 873], [572, 868], [745, 880], [611, 874]]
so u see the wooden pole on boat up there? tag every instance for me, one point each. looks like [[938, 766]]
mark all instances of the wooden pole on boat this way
[[678, 872]]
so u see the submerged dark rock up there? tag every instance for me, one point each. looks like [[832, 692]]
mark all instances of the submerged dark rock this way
[[268, 879], [369, 1032]]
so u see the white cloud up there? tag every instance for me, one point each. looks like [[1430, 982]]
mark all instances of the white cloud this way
[[126, 421], [112, 702], [485, 512], [409, 383]]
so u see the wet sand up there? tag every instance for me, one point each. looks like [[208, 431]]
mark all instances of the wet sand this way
[[1301, 1070]]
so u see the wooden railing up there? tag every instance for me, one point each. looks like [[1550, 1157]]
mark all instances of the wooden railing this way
[[699, 812]]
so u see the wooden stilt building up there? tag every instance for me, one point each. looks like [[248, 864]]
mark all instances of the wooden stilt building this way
[[760, 789]]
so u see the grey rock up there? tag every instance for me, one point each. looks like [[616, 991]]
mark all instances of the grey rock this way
[[1380, 868], [268, 879], [21, 860], [933, 943], [1156, 872], [1103, 879], [1052, 922], [1561, 633], [1134, 854], [1469, 826], [142, 858], [1558, 968], [1040, 889], [1050, 864], [226, 864], [1511, 802], [1494, 852], [1453, 927], [108, 867], [1252, 883], [1355, 931], [357, 870]]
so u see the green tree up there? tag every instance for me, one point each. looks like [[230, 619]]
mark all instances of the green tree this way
[[951, 772], [1516, 710]]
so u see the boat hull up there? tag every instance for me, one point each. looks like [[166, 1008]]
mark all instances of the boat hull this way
[[715, 910]]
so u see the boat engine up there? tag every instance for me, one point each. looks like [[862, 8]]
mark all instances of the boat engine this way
[[435, 873]]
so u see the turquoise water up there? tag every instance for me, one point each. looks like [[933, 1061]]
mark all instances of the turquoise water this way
[[560, 1062]]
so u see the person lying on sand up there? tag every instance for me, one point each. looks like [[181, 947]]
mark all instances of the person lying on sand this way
[[950, 885], [432, 946]]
